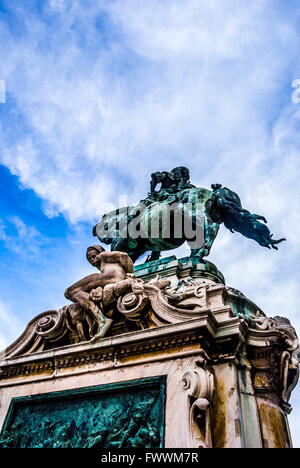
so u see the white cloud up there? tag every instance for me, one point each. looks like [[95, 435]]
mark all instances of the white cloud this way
[[23, 239], [178, 84], [57, 5]]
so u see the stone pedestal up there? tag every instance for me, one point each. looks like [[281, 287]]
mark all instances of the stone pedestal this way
[[187, 363]]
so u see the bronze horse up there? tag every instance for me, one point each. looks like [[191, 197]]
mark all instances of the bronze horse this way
[[176, 213]]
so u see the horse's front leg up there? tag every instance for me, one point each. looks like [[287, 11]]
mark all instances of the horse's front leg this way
[[210, 233]]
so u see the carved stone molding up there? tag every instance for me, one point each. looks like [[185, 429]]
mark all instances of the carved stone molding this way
[[274, 356], [169, 342]]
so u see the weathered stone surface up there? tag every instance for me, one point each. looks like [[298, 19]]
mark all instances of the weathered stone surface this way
[[229, 369]]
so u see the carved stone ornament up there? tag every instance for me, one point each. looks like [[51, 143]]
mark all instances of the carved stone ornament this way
[[277, 368], [131, 304], [198, 383], [131, 300]]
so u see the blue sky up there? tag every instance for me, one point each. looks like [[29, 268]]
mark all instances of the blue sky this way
[[102, 93]]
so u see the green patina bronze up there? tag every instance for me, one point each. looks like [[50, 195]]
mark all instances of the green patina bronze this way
[[118, 415], [198, 267], [176, 213]]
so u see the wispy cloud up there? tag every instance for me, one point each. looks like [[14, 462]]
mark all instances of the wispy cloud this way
[[11, 326], [139, 83], [20, 238]]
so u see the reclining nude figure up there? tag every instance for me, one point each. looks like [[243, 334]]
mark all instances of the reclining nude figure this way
[[98, 290]]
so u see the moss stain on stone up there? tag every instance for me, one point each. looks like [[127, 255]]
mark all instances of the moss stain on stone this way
[[273, 426], [218, 415]]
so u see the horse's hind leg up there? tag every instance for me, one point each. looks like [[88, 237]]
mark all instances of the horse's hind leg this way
[[194, 252], [154, 256], [134, 254], [200, 253]]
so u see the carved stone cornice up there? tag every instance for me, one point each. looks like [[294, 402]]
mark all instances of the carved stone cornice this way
[[167, 342], [143, 305], [273, 351]]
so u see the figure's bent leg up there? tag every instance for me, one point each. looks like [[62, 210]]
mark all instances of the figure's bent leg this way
[[84, 285], [80, 330], [104, 323], [80, 297], [90, 324]]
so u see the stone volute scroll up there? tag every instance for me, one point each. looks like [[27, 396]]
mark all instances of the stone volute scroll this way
[[198, 383]]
